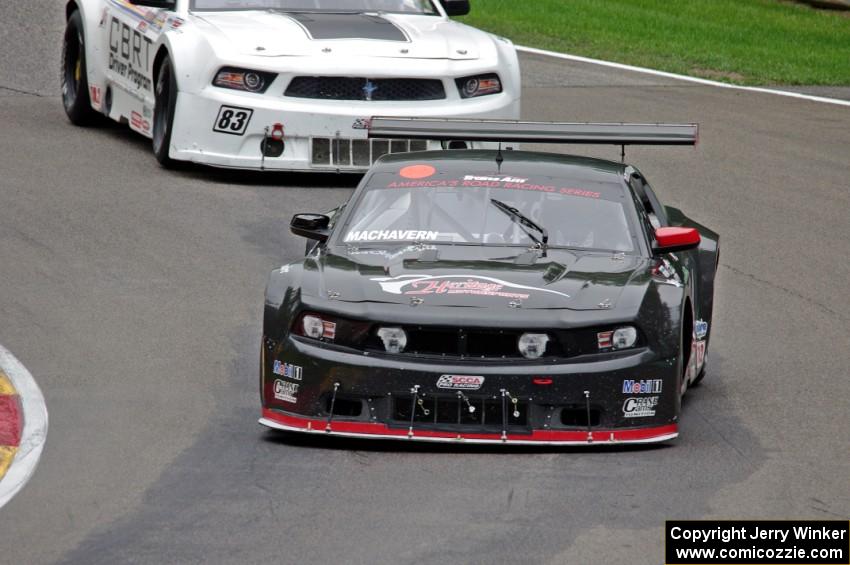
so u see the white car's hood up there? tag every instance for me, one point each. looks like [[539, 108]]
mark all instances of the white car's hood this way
[[275, 34]]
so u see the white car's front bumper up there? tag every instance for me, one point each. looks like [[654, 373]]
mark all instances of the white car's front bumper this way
[[309, 127]]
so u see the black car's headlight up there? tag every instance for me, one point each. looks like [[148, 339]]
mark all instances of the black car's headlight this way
[[243, 79], [479, 85], [394, 339], [620, 338], [532, 346], [331, 328]]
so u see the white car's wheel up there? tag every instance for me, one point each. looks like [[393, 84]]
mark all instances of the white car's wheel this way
[[163, 118], [75, 86]]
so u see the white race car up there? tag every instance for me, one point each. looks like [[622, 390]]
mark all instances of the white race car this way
[[280, 84]]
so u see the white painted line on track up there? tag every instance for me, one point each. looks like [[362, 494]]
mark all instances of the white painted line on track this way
[[664, 74], [35, 427]]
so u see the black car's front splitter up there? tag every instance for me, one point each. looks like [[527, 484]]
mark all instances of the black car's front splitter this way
[[280, 420]]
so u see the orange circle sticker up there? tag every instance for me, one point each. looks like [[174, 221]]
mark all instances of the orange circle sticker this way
[[417, 171]]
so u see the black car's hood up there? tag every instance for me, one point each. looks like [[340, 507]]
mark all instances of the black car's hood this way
[[472, 277]]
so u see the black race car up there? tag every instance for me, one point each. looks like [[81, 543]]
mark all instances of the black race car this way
[[493, 296]]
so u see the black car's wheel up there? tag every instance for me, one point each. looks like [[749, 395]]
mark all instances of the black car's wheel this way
[[75, 85], [165, 96]]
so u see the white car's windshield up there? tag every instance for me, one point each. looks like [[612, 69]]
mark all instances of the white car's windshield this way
[[334, 6], [421, 204]]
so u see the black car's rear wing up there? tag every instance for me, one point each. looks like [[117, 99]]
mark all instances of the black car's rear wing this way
[[456, 129]]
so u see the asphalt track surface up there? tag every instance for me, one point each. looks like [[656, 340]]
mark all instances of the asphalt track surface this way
[[134, 294]]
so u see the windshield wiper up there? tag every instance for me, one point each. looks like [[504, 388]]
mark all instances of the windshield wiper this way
[[525, 222]]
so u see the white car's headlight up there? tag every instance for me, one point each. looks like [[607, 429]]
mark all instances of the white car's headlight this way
[[481, 85], [532, 346], [395, 339], [243, 79]]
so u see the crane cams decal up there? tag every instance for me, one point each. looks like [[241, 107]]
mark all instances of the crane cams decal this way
[[460, 382], [286, 391], [412, 285], [641, 407]]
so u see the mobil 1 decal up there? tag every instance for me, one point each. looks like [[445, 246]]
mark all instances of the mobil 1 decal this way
[[130, 54], [233, 120]]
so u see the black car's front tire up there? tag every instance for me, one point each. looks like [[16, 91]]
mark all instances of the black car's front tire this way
[[165, 94], [75, 84]]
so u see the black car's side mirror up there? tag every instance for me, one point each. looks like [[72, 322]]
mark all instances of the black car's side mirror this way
[[311, 226], [671, 240], [455, 7]]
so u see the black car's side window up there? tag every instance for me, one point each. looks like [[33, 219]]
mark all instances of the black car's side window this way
[[649, 201], [645, 216]]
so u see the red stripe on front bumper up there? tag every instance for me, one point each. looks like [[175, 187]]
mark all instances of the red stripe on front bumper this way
[[11, 421], [578, 436]]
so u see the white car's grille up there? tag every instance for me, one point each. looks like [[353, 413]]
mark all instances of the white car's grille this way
[[357, 88], [341, 152]]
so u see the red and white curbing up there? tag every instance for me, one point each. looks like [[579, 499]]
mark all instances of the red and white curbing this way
[[26, 419], [707, 82]]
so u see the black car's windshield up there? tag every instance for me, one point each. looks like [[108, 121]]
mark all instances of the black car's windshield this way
[[421, 204], [335, 6]]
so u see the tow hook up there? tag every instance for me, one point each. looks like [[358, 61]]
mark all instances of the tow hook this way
[[272, 144]]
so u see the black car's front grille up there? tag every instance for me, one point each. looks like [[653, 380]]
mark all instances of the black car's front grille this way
[[489, 344], [468, 342], [459, 410], [482, 343], [356, 88]]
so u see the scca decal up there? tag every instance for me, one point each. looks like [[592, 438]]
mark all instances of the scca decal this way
[[460, 382]]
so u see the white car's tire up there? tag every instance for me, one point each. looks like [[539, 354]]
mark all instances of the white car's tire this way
[[75, 85], [165, 93]]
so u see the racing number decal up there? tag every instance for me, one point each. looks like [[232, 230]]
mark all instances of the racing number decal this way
[[232, 120]]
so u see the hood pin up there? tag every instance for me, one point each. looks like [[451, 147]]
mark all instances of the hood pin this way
[[469, 406]]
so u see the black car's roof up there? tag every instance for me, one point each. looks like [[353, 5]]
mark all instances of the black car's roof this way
[[528, 163]]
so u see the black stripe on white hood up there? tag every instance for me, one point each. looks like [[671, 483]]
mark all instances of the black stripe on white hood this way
[[349, 26]]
